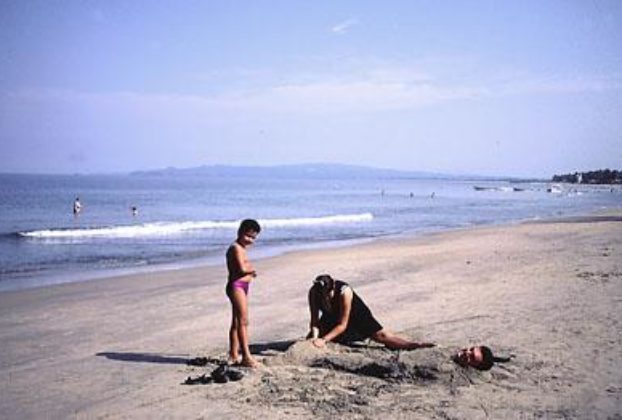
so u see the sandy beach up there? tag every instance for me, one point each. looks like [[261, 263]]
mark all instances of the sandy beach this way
[[549, 293]]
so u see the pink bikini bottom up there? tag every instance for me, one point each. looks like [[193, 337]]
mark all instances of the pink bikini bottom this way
[[238, 284]]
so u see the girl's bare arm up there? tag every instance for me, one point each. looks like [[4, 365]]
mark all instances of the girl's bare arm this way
[[239, 266]]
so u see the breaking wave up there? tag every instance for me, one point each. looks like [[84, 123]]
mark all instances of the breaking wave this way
[[176, 228]]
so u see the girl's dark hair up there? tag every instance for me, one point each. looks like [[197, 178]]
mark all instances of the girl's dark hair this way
[[249, 225]]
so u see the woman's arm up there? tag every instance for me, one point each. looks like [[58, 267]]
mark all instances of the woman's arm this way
[[345, 306], [314, 325]]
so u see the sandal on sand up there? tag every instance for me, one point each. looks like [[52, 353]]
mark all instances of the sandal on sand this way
[[197, 361], [234, 374], [202, 361], [198, 380], [219, 375], [224, 373]]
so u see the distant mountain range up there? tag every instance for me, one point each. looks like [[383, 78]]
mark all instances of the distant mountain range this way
[[312, 170]]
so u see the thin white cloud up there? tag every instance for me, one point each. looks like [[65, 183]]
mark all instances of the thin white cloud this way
[[552, 84], [328, 97], [343, 27]]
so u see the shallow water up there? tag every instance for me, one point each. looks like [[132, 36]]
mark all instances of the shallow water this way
[[191, 219]]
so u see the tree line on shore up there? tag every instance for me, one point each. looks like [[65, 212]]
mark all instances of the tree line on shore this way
[[602, 176]]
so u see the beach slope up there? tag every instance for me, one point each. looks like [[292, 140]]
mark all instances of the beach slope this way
[[549, 293]]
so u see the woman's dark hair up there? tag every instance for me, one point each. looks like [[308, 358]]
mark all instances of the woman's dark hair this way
[[323, 283], [249, 225]]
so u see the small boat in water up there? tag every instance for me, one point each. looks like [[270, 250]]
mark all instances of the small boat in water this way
[[555, 189], [504, 189]]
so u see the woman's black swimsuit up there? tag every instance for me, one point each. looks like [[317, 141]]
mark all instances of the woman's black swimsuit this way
[[361, 323]]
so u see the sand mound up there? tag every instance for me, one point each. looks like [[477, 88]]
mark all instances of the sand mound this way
[[363, 380], [300, 353]]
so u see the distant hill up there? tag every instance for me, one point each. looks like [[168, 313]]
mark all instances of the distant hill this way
[[314, 170], [311, 170]]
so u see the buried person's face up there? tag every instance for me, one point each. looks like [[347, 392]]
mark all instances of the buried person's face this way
[[471, 356]]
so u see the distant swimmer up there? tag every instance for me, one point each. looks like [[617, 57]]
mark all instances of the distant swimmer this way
[[134, 210], [77, 207], [432, 195]]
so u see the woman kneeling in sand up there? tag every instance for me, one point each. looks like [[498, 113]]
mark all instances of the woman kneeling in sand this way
[[338, 314]]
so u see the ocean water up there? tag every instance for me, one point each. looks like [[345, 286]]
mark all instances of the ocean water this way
[[187, 219]]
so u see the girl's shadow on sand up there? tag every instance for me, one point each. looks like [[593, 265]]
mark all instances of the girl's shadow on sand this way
[[261, 348], [145, 358]]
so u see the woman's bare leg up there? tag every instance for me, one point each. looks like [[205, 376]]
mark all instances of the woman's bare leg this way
[[240, 308], [395, 342]]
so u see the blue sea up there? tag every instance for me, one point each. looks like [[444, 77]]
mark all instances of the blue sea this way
[[190, 219]]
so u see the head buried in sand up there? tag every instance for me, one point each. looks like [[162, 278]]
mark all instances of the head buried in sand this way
[[478, 357]]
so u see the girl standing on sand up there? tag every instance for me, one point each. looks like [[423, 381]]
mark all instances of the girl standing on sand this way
[[241, 273]]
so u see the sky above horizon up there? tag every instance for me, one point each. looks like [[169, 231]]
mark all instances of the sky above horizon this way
[[529, 88]]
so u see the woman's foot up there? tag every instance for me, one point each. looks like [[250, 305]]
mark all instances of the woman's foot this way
[[423, 345]]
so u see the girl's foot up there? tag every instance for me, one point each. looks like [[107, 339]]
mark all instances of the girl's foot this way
[[250, 362], [231, 361]]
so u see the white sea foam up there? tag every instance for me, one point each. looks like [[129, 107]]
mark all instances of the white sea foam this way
[[176, 228], [310, 221]]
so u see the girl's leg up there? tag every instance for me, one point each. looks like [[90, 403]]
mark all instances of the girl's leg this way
[[394, 342], [240, 308], [234, 342]]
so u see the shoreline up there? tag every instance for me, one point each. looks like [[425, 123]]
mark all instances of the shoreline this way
[[550, 293], [59, 277]]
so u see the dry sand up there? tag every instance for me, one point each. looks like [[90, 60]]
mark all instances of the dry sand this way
[[549, 293]]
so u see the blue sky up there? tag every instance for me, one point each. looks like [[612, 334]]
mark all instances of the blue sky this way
[[522, 88]]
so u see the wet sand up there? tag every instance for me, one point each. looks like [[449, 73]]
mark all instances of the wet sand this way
[[549, 293]]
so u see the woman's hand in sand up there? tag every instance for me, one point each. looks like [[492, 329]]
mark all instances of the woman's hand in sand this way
[[319, 342]]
